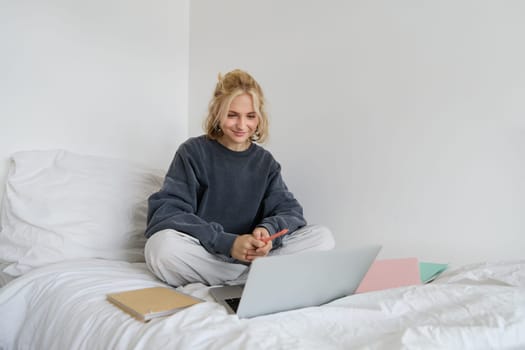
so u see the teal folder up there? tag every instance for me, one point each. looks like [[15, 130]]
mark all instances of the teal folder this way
[[429, 271]]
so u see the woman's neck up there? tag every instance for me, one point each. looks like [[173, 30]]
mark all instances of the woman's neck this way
[[236, 147]]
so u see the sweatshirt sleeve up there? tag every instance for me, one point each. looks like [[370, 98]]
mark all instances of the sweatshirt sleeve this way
[[175, 205], [281, 209]]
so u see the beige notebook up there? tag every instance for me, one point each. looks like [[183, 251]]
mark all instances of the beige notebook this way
[[147, 303]]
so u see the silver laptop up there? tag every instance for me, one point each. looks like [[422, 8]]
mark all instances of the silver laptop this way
[[287, 282]]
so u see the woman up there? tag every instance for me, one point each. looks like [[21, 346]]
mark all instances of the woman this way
[[223, 196]]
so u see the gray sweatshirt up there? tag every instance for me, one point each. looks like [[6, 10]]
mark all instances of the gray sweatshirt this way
[[215, 194]]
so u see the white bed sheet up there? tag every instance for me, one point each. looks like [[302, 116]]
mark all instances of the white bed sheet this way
[[4, 277], [63, 306]]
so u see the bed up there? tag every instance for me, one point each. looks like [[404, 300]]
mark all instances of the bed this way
[[61, 252]]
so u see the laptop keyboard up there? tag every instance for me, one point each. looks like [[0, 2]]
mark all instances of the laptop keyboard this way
[[233, 303]]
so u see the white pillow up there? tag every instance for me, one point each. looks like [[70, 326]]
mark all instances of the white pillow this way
[[60, 205]]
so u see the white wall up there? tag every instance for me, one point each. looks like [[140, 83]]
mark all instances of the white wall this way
[[104, 77], [398, 122]]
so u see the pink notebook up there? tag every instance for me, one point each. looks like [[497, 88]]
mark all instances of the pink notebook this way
[[390, 273]]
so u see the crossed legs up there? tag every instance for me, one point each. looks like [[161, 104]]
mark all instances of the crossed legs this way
[[179, 259]]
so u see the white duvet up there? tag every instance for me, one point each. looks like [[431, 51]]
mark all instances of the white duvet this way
[[63, 306]]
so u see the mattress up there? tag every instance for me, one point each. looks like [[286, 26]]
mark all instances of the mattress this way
[[64, 306]]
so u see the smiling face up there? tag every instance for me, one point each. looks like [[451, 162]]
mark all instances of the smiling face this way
[[239, 124], [249, 105]]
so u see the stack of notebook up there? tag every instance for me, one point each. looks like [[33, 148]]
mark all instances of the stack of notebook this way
[[147, 303], [393, 273]]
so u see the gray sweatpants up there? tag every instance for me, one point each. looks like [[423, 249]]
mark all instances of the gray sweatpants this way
[[179, 259]]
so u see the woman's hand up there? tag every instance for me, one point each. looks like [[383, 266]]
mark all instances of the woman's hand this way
[[244, 248], [248, 247], [260, 233]]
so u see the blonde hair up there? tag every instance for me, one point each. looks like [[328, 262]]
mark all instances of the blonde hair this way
[[233, 84]]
